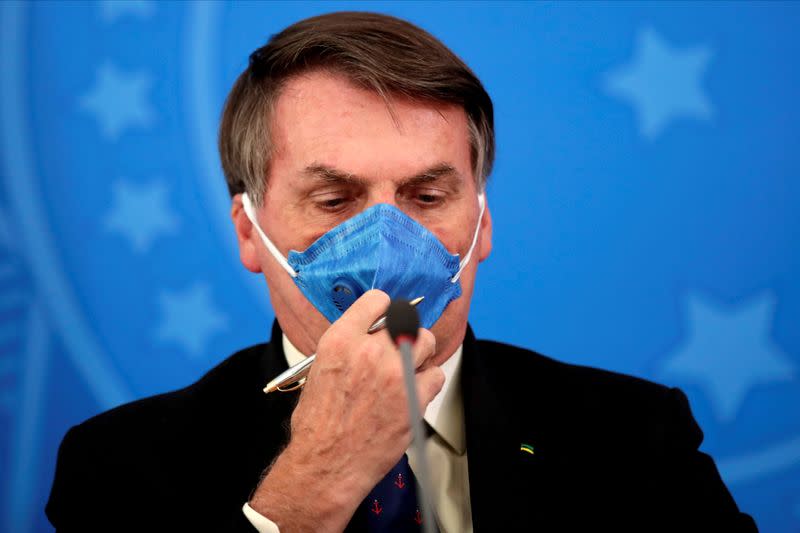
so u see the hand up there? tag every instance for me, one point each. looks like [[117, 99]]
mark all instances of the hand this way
[[350, 425]]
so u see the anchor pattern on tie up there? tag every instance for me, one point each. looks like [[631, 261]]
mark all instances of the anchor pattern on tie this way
[[391, 506], [376, 507]]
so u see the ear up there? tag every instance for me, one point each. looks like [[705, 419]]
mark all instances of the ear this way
[[485, 235], [246, 234]]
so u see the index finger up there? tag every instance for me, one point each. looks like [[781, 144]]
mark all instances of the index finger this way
[[365, 311]]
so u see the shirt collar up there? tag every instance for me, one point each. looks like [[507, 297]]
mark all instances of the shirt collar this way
[[445, 413]]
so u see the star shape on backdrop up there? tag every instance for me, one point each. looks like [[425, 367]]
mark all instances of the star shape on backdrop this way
[[728, 351], [140, 212], [189, 318], [662, 83], [118, 100], [111, 10]]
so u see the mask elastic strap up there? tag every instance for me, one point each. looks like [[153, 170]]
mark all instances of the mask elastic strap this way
[[465, 261], [251, 214]]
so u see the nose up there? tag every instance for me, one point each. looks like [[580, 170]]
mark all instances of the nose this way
[[382, 195]]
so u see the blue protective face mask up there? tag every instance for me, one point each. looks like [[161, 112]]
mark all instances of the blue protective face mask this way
[[380, 248]]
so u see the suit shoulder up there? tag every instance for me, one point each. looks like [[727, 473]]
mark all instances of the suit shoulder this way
[[221, 384], [578, 383], [157, 442]]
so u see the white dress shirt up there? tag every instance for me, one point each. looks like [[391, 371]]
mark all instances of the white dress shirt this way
[[446, 447]]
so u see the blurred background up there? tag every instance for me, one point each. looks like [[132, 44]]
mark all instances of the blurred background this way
[[645, 205]]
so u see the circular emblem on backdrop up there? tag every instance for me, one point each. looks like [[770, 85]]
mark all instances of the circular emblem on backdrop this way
[[101, 229], [113, 252]]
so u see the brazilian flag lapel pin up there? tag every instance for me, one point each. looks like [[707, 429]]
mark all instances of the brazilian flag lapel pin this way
[[527, 448]]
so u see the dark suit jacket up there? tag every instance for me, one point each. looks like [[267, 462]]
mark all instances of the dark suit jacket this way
[[611, 452]]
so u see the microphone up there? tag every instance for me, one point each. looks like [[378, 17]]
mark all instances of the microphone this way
[[402, 321]]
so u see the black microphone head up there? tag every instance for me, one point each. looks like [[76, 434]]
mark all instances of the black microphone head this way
[[402, 320]]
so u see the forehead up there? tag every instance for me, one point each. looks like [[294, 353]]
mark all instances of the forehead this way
[[321, 117]]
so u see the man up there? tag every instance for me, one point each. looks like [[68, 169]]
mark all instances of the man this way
[[356, 149]]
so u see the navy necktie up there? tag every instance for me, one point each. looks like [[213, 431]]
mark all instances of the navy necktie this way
[[392, 504]]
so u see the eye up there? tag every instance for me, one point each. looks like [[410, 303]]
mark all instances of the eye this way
[[427, 198], [332, 202]]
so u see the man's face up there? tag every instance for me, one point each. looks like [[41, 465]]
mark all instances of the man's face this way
[[338, 151]]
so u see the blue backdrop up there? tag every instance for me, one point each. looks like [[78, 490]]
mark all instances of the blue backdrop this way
[[645, 202]]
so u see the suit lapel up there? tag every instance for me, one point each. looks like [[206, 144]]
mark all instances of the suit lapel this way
[[270, 414], [279, 405], [508, 485]]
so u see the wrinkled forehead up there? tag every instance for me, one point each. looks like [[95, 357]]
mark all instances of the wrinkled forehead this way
[[326, 126]]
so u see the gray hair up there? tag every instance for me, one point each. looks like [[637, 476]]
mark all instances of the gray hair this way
[[382, 53]]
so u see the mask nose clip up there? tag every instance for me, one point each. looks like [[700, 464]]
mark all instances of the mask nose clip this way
[[344, 294]]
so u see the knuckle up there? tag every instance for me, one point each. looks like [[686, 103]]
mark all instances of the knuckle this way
[[424, 348], [393, 375], [369, 352], [333, 341], [428, 339], [437, 380], [377, 296]]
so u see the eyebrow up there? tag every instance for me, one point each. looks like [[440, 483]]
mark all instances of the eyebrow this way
[[330, 174]]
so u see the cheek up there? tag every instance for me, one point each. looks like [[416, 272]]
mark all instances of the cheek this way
[[456, 235], [450, 238], [288, 231]]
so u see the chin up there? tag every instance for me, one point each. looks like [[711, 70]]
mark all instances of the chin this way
[[450, 328], [299, 320]]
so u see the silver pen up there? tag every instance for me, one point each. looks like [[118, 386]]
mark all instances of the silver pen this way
[[295, 377]]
